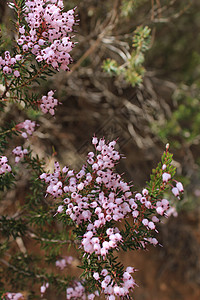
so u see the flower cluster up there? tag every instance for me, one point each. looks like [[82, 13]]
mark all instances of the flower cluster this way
[[172, 212], [108, 197], [115, 290], [48, 103], [178, 189], [13, 296], [4, 167], [165, 176], [44, 287], [8, 63], [28, 126], [62, 263], [92, 244], [48, 35], [19, 153], [55, 185], [96, 198], [78, 292]]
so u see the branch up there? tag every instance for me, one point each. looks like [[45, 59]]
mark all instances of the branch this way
[[34, 236], [36, 75]]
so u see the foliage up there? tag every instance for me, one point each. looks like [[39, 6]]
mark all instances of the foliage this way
[[183, 126], [129, 6], [132, 69]]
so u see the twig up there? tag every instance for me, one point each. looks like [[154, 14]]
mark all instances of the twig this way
[[33, 235], [159, 8], [152, 10], [29, 274], [175, 16], [36, 75], [17, 270]]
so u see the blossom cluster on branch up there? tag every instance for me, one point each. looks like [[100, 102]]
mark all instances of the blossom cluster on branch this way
[[4, 166], [8, 64], [97, 199], [47, 32], [48, 103], [28, 126]]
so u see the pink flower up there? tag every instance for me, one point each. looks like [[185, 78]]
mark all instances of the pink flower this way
[[14, 296], [44, 287], [180, 187], [151, 225], [145, 222], [48, 33], [94, 140], [4, 167], [28, 126], [19, 153], [96, 276], [60, 208], [48, 103], [166, 177], [175, 191], [160, 210], [16, 73], [145, 192], [61, 263]]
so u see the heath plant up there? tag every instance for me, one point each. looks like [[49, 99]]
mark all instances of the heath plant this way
[[98, 212]]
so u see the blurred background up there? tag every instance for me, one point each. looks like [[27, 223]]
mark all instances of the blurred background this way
[[135, 78]]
